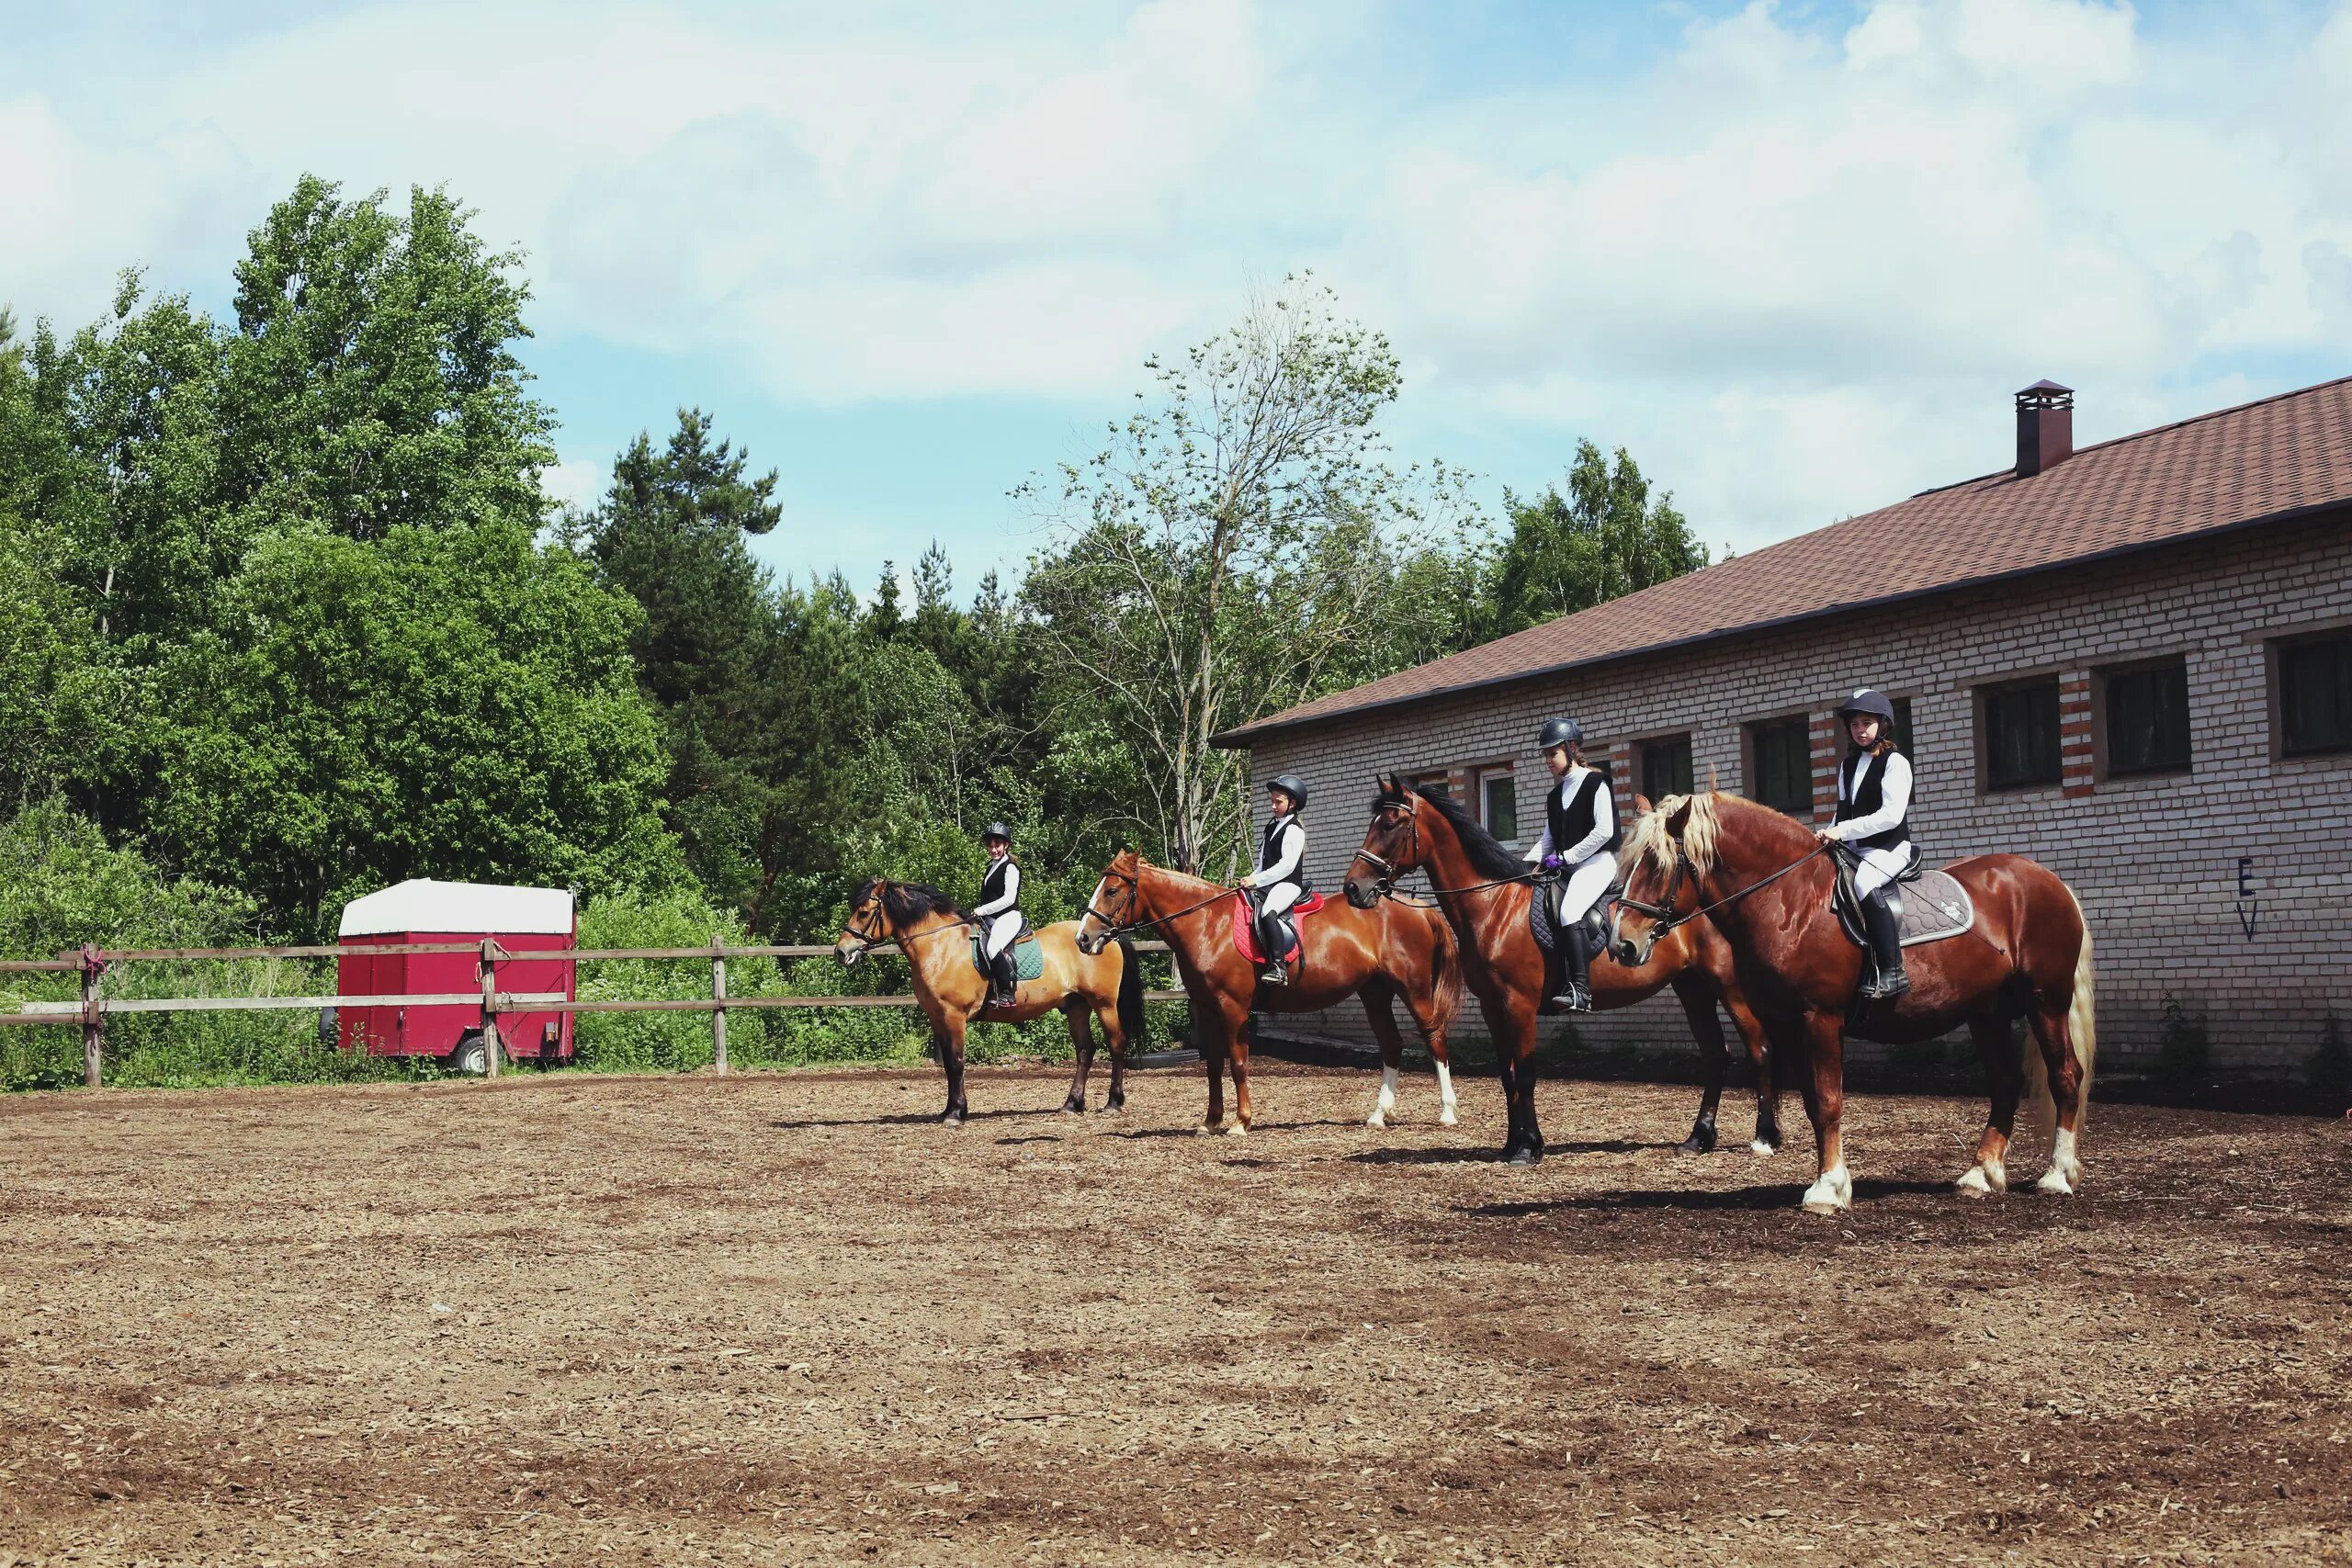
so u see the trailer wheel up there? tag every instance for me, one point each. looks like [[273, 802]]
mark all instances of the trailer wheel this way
[[469, 1055]]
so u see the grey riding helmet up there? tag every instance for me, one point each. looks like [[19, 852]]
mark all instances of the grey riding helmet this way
[[1292, 785], [1867, 701], [1560, 732]]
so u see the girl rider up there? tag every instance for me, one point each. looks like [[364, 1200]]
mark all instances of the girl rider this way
[[1580, 839], [1873, 808], [1281, 877], [1000, 915]]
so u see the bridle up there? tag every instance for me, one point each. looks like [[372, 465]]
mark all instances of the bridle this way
[[1389, 870], [1113, 930], [871, 935], [1662, 914]]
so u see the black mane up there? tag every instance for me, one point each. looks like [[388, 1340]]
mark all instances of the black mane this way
[[1488, 855], [907, 902]]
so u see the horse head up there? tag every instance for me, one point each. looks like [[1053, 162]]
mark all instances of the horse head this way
[[1392, 845], [869, 924], [1662, 876], [1117, 904]]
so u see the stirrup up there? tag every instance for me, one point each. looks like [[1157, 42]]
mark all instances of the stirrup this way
[[1577, 997], [1274, 974], [1885, 987]]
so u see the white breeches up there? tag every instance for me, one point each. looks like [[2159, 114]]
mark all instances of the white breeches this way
[[1003, 932], [1880, 867], [1584, 885], [1279, 897]]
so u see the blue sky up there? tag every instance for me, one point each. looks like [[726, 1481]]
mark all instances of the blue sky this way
[[1793, 256]]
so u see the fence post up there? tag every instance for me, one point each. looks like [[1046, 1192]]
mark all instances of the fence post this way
[[93, 1023], [490, 1042], [718, 1013]]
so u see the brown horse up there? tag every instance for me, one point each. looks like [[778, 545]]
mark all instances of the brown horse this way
[[1764, 882], [1384, 955], [936, 937], [1484, 891]]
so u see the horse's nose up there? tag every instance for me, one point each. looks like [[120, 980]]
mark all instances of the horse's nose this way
[[1625, 952]]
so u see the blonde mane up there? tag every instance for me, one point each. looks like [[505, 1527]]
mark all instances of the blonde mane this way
[[1650, 840]]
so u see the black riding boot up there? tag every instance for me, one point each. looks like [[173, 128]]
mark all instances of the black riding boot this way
[[1559, 976], [1886, 947], [1579, 964], [1005, 987], [1272, 971]]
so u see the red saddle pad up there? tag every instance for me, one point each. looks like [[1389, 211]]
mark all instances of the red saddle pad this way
[[1245, 929]]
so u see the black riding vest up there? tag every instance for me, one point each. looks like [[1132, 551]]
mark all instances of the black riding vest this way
[[1270, 850], [1570, 823], [1861, 797], [992, 886]]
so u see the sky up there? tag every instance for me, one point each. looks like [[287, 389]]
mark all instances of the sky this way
[[1794, 258]]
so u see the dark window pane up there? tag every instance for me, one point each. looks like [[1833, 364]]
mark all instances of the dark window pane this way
[[2021, 736], [1902, 726], [1782, 752], [1436, 784], [1666, 767], [2147, 720], [2315, 695], [1501, 805]]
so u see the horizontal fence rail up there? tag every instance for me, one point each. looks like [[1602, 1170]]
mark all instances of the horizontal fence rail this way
[[92, 1010]]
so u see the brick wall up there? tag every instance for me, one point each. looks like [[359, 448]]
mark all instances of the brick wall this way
[[2154, 860]]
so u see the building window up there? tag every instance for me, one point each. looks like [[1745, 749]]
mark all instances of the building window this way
[[2021, 735], [1666, 766], [2315, 694], [1902, 726], [1780, 764], [1435, 783], [1498, 803], [2146, 718]]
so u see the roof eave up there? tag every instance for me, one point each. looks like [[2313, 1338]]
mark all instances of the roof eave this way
[[1243, 735]]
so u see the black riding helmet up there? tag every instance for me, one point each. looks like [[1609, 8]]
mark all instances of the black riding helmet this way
[[1292, 785], [1871, 702], [996, 830], [1559, 732]]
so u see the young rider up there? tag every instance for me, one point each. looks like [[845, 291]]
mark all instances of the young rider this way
[[1580, 839], [1281, 877], [998, 913], [1872, 820]]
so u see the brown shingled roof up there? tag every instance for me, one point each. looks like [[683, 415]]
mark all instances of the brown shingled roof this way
[[2260, 462]]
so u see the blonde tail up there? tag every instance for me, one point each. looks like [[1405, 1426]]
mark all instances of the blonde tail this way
[[2082, 1020]]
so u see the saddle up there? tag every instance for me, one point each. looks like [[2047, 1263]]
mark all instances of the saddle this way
[[1942, 907], [1545, 929], [1245, 926], [1028, 958]]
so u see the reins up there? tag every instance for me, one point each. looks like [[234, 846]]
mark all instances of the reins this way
[[1116, 928], [1388, 871], [1663, 915], [867, 941]]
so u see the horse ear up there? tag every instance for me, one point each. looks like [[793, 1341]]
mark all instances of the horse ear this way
[[1680, 819], [1643, 804]]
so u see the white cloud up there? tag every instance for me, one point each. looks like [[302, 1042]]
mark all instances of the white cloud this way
[[1796, 266]]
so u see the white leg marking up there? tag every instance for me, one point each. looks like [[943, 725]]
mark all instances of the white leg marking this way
[[1445, 1094], [1388, 1101], [2065, 1169], [1238, 1129], [1985, 1179], [1832, 1193], [1758, 1147]]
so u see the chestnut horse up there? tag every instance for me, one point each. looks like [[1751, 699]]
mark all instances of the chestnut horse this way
[[1384, 955], [1764, 881], [936, 937], [1485, 890]]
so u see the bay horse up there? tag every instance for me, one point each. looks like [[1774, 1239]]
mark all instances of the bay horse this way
[[936, 937], [1484, 891], [1763, 880], [1384, 956]]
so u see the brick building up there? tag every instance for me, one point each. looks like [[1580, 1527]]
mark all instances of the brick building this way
[[2133, 662]]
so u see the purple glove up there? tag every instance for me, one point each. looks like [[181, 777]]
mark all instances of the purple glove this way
[[1552, 862]]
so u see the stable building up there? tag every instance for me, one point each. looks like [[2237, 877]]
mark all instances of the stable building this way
[[2131, 663]]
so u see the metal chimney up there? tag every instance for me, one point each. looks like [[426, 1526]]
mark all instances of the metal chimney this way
[[2045, 428]]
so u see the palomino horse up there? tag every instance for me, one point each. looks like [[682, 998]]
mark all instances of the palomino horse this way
[[1762, 880], [936, 937], [1384, 955], [1484, 891]]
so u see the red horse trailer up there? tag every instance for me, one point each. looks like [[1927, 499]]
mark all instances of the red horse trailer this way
[[521, 920]]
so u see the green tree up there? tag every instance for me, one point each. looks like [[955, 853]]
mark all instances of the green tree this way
[[1607, 536], [372, 381], [451, 703], [1231, 551]]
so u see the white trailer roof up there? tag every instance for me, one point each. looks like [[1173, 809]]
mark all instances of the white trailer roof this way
[[425, 904]]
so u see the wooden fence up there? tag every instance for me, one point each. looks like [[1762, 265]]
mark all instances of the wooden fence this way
[[91, 1012]]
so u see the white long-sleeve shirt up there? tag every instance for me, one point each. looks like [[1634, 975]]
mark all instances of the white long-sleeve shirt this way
[[1293, 849], [1604, 819], [1006, 899], [1894, 797]]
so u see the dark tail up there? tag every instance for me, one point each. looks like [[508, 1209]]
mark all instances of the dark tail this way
[[1131, 995], [1448, 979]]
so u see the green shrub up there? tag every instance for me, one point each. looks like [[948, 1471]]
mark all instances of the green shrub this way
[[2185, 1049]]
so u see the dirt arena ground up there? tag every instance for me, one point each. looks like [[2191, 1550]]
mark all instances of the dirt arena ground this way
[[785, 1319]]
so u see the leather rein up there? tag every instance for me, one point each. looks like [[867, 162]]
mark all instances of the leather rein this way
[[1390, 871], [1113, 930]]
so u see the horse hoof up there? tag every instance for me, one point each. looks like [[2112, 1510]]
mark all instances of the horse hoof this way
[[1377, 1121], [1448, 1119], [1073, 1108], [1238, 1129], [1524, 1155], [1702, 1141], [1826, 1207], [1983, 1181], [1117, 1103], [1207, 1130], [2053, 1181], [951, 1118], [1763, 1149]]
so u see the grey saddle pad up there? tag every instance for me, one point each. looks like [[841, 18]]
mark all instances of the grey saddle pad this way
[[1934, 907]]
